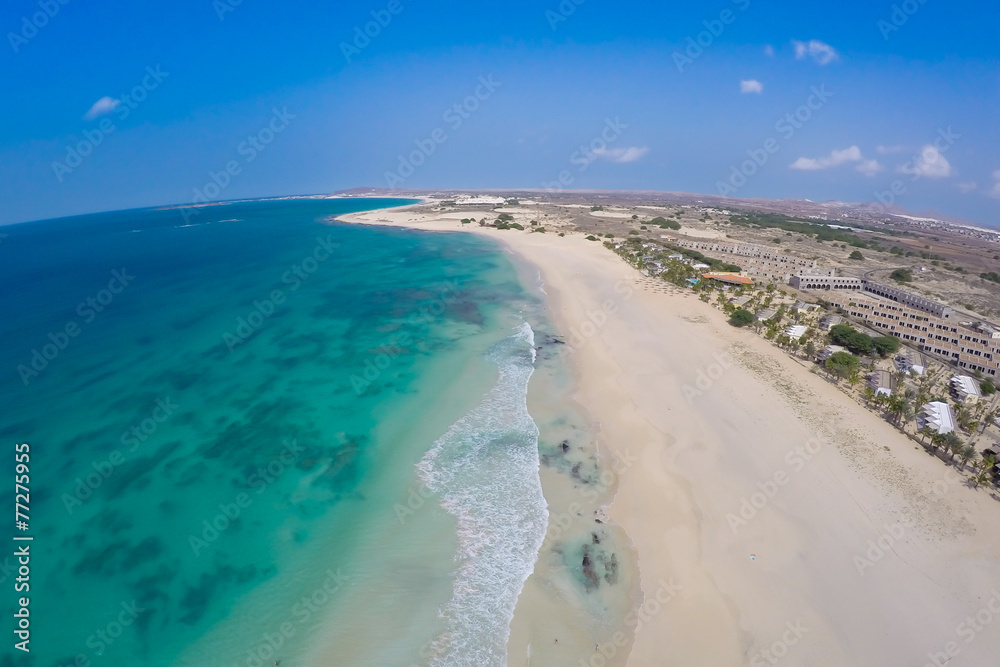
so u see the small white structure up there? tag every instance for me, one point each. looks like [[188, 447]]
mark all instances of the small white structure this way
[[796, 331], [830, 321], [936, 416], [881, 382], [464, 200], [910, 361], [965, 389], [828, 352]]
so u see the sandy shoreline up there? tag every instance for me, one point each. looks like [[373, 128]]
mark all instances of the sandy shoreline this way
[[775, 519]]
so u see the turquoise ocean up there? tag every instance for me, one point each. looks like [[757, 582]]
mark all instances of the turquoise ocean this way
[[259, 435]]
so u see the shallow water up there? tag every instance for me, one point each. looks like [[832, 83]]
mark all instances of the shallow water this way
[[222, 450]]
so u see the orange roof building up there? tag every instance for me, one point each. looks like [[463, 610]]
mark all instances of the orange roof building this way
[[728, 278]]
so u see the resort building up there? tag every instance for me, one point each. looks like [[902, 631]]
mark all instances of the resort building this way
[[796, 331], [830, 321], [739, 301], [728, 278], [766, 314], [824, 282], [755, 260], [882, 383], [911, 361], [936, 416], [965, 389], [828, 352], [928, 325]]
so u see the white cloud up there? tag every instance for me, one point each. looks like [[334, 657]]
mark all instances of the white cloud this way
[[889, 150], [966, 188], [102, 106], [821, 52], [751, 86], [836, 158], [930, 164], [769, 51], [622, 155], [995, 192], [870, 167]]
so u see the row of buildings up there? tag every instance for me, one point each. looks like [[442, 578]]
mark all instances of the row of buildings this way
[[929, 326], [756, 261]]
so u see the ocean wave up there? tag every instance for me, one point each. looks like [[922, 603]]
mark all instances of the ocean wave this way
[[485, 470]]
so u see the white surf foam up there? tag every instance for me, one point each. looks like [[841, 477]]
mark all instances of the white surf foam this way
[[485, 470]]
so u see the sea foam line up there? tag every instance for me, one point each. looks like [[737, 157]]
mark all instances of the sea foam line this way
[[485, 470]]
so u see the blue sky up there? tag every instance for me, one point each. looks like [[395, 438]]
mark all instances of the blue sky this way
[[605, 94]]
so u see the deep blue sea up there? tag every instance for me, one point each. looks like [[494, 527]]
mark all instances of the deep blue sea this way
[[257, 435]]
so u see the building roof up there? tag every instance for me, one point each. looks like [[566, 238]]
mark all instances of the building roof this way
[[829, 351], [830, 321], [731, 278], [882, 382], [796, 331], [937, 416], [965, 386]]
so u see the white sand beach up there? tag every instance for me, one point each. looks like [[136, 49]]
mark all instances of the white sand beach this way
[[776, 521]]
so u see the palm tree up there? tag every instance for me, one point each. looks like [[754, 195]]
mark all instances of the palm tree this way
[[907, 413], [895, 406], [869, 395], [987, 420], [954, 444], [967, 453], [984, 471]]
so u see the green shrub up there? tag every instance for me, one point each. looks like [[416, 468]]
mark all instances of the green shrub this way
[[741, 317]]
